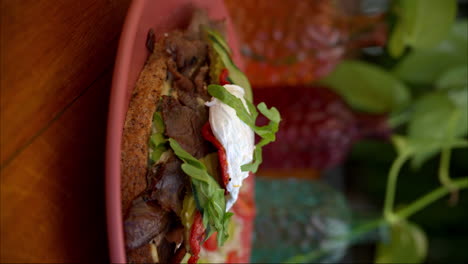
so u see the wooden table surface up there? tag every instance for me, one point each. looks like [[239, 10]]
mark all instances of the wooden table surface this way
[[56, 67]]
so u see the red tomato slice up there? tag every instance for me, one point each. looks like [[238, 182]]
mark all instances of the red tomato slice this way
[[197, 234], [208, 135], [211, 244]]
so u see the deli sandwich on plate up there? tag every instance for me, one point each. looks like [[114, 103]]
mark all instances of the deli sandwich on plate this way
[[188, 145]]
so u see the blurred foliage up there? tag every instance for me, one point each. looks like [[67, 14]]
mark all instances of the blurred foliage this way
[[436, 121], [420, 24], [367, 87], [407, 244], [425, 66], [422, 83], [445, 225]]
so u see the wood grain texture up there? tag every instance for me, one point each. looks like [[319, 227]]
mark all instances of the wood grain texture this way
[[55, 67], [52, 193], [50, 52]]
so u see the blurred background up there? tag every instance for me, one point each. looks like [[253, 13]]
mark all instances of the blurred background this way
[[347, 77]]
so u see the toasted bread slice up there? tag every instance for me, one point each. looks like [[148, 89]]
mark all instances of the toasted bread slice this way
[[137, 127]]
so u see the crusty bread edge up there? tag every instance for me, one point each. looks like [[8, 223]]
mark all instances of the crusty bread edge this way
[[137, 126]]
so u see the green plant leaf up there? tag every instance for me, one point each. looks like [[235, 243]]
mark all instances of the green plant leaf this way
[[435, 123], [421, 24], [401, 144], [408, 244], [425, 66], [460, 99], [367, 87], [455, 78], [430, 116], [396, 43], [430, 21]]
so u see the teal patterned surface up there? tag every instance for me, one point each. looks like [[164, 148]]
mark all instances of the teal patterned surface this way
[[296, 217]]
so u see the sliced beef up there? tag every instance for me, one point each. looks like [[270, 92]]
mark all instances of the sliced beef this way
[[200, 82], [169, 182], [182, 83], [140, 255], [179, 254], [189, 54], [166, 250], [144, 222], [185, 124], [176, 233], [169, 253]]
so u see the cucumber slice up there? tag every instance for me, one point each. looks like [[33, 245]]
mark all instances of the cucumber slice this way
[[157, 153], [214, 35], [236, 76], [158, 122], [157, 140]]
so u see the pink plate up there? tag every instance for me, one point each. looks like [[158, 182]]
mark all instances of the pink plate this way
[[142, 15]]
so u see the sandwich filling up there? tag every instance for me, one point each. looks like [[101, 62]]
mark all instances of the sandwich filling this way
[[237, 139], [201, 146]]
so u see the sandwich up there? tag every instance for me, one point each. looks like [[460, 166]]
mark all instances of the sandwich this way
[[188, 145]]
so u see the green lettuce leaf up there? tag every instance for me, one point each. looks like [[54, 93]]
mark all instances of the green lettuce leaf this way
[[207, 192], [267, 132]]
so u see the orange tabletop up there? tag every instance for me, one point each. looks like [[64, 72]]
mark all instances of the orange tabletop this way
[[56, 68]]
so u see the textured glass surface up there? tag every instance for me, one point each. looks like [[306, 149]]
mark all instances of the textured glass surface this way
[[296, 217]]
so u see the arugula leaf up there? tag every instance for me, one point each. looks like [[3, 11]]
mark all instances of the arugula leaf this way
[[267, 132], [367, 87], [226, 97], [211, 162], [208, 194]]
